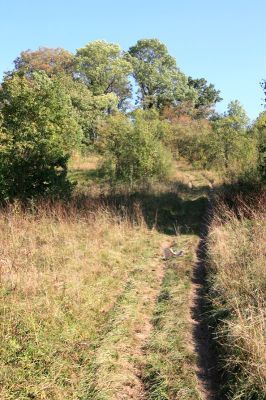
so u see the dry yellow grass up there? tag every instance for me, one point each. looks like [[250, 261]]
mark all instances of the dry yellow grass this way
[[78, 288], [238, 277], [84, 163], [62, 271]]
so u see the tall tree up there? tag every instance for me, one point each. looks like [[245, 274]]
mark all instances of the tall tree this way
[[236, 115], [51, 61], [60, 65], [159, 79], [207, 95], [90, 109], [105, 69], [233, 142]]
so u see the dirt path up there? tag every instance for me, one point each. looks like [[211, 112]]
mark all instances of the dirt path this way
[[207, 362]]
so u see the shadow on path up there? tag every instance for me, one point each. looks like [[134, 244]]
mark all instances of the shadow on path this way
[[207, 360]]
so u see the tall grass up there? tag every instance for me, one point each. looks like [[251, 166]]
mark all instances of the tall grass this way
[[62, 271], [237, 273], [88, 309]]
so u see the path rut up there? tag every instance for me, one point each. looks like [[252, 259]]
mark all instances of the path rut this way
[[209, 379]]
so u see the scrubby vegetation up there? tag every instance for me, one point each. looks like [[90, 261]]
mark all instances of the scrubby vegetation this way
[[54, 103]]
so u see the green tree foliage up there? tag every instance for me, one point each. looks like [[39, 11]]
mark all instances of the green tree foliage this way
[[105, 69], [159, 79], [190, 137], [234, 146], [39, 131], [134, 148], [207, 96], [59, 64], [90, 109], [236, 116], [53, 103], [260, 129], [224, 144]]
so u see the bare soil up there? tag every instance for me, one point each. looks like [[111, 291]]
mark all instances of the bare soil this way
[[207, 371]]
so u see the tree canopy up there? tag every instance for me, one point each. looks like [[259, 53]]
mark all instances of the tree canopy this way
[[49, 60], [104, 68], [207, 96], [54, 103], [159, 79]]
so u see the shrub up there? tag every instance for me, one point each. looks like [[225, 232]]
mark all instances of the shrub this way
[[134, 149], [39, 131], [224, 148]]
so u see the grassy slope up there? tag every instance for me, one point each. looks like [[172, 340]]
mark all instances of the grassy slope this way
[[86, 310]]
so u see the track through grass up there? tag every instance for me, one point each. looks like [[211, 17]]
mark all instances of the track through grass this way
[[89, 310]]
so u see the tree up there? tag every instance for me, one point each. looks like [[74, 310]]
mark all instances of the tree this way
[[235, 148], [90, 109], [236, 115], [49, 60], [39, 131], [207, 95], [260, 129], [159, 79], [105, 69], [58, 64]]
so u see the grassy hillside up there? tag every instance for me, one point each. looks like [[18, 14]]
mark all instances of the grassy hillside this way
[[89, 310]]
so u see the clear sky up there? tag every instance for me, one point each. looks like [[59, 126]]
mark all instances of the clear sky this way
[[220, 40]]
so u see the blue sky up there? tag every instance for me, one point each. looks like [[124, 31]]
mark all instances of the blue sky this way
[[222, 41]]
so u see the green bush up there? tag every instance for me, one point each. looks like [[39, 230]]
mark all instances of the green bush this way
[[39, 131], [194, 141], [134, 150], [220, 146]]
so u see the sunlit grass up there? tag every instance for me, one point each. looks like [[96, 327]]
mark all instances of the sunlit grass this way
[[82, 291], [236, 248], [61, 275]]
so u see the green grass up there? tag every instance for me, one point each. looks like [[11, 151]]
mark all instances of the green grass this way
[[118, 360], [170, 365]]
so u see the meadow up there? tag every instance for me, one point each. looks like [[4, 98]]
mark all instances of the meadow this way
[[89, 308]]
